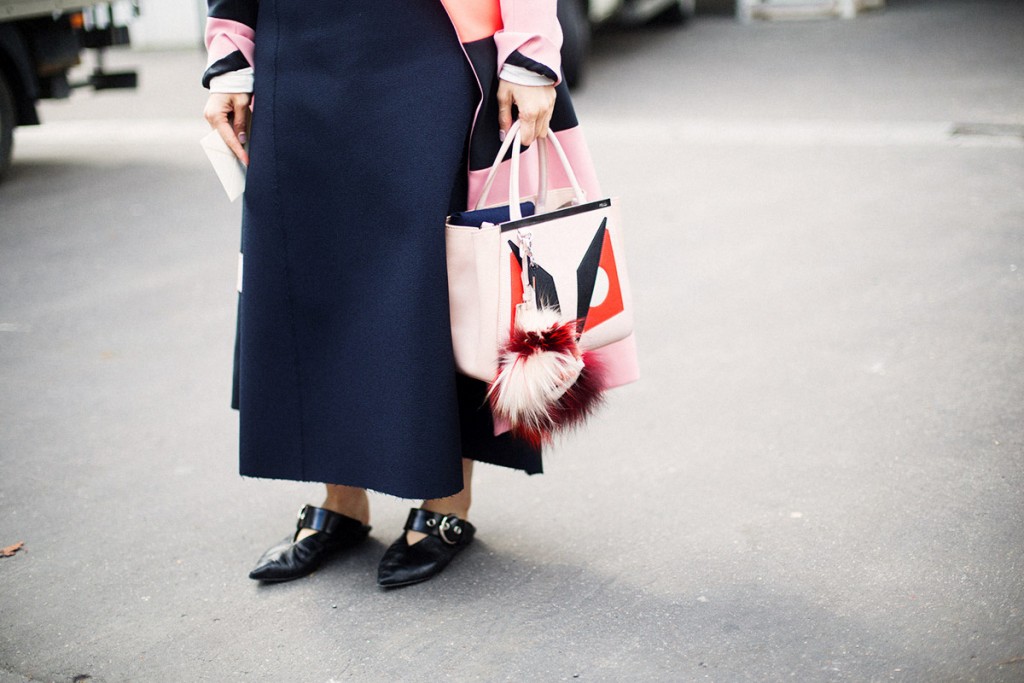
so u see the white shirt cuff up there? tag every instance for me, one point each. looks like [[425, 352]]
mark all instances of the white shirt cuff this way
[[233, 81], [522, 76]]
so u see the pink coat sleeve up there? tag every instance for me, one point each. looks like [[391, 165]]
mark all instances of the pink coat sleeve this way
[[225, 36], [530, 36], [230, 36]]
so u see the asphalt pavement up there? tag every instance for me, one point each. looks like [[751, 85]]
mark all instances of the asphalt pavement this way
[[819, 478]]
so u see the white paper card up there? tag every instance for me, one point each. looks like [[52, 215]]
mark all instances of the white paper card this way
[[229, 169]]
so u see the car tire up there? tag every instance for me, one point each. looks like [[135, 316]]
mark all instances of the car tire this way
[[677, 14], [572, 15], [7, 119]]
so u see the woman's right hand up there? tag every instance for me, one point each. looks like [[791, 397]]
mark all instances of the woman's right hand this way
[[228, 113]]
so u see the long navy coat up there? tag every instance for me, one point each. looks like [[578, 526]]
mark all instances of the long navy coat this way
[[362, 112]]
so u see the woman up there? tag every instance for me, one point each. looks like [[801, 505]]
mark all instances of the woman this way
[[365, 117]]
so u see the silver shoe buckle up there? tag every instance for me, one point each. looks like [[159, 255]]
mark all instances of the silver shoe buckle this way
[[446, 526]]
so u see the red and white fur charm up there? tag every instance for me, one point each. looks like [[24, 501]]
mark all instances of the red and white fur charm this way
[[545, 383]]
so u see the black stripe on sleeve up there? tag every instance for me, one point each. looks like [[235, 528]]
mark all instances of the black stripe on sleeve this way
[[519, 59], [232, 62]]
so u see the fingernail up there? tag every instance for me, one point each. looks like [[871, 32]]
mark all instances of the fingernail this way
[[243, 138], [501, 135]]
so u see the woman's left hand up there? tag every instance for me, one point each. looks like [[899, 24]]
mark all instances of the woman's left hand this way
[[535, 104]]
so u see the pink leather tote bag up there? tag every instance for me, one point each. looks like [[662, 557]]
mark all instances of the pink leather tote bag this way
[[576, 264]]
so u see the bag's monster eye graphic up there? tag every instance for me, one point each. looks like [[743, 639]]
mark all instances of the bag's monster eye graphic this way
[[597, 281], [598, 294]]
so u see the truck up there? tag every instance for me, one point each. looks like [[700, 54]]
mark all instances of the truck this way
[[40, 41]]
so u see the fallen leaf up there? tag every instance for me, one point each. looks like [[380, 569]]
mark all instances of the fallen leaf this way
[[11, 549]]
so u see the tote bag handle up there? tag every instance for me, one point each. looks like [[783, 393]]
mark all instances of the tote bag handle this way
[[514, 140], [493, 172]]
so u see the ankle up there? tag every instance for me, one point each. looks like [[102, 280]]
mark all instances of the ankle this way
[[348, 501], [448, 506]]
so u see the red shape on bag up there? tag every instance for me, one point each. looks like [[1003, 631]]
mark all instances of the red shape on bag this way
[[515, 271], [612, 304]]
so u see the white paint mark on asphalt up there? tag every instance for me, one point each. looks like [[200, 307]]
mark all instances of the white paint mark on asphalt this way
[[796, 133], [14, 327], [762, 132], [86, 133]]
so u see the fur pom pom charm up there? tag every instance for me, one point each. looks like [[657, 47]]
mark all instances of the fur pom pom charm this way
[[545, 384]]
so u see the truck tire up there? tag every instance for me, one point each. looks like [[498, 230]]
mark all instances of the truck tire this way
[[572, 15], [6, 125]]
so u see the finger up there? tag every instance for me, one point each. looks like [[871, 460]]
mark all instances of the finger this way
[[544, 124], [504, 111], [240, 121], [544, 120], [539, 118], [214, 115], [528, 129], [231, 140]]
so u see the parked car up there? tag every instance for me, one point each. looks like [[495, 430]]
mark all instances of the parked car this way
[[40, 40], [579, 17]]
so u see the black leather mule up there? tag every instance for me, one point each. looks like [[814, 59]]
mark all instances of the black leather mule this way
[[291, 559], [405, 564]]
